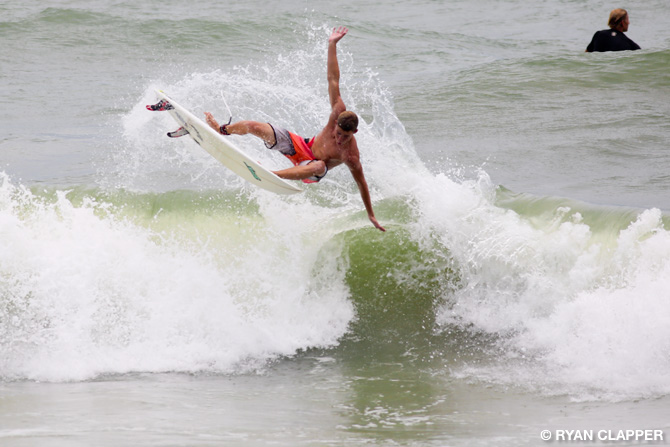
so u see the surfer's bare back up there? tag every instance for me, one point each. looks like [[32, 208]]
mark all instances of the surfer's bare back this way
[[333, 146]]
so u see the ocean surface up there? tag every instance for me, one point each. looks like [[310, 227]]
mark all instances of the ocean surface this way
[[149, 297]]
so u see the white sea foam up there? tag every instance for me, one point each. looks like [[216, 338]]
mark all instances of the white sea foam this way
[[84, 293], [576, 313]]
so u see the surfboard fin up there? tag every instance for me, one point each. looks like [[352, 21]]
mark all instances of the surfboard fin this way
[[178, 133], [160, 106]]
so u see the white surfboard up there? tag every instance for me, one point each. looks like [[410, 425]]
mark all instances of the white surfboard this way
[[225, 151]]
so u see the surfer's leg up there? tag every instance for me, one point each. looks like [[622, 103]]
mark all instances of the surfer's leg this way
[[264, 131]]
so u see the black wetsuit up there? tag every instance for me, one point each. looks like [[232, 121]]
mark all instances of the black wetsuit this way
[[611, 40]]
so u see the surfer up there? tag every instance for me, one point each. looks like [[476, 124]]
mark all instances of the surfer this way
[[613, 39], [333, 146]]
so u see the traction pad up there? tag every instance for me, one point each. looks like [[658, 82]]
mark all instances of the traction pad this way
[[160, 106]]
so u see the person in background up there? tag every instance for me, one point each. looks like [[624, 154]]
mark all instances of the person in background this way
[[613, 39]]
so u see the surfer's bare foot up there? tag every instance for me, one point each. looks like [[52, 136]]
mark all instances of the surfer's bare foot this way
[[211, 121]]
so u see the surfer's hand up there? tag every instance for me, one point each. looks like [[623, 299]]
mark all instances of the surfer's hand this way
[[337, 34], [211, 121], [376, 224]]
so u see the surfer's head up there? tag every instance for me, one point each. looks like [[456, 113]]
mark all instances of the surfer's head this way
[[347, 126], [348, 121], [619, 20]]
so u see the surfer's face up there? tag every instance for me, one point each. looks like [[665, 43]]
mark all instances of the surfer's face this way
[[343, 136]]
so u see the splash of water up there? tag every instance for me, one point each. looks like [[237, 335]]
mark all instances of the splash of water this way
[[84, 292]]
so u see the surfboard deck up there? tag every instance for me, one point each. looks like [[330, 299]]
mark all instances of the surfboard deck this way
[[222, 148]]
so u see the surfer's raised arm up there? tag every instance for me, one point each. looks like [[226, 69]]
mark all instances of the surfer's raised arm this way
[[336, 102]]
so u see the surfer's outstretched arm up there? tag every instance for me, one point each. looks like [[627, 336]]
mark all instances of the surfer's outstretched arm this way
[[357, 172], [315, 168]]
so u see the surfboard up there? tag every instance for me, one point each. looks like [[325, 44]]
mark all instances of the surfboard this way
[[222, 148]]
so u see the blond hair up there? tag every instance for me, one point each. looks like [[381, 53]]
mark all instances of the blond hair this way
[[616, 17]]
